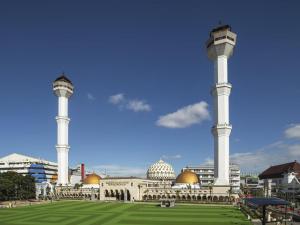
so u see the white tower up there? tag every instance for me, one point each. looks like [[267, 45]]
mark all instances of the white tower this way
[[63, 89], [219, 48]]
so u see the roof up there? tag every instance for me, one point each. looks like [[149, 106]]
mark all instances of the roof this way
[[265, 201], [278, 170], [187, 177], [220, 28], [63, 78], [15, 157]]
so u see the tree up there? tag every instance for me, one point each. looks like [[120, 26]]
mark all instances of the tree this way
[[14, 186], [210, 186], [230, 192], [77, 186]]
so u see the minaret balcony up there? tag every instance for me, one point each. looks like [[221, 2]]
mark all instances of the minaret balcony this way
[[221, 129], [222, 126], [221, 89]]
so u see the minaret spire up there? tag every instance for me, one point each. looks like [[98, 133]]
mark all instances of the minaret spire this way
[[220, 47], [63, 89]]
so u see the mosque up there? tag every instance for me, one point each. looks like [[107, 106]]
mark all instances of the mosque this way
[[161, 181]]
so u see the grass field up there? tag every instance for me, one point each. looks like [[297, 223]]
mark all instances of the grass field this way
[[94, 213]]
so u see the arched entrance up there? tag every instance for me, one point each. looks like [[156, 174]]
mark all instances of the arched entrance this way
[[112, 194], [122, 195], [128, 195], [117, 195]]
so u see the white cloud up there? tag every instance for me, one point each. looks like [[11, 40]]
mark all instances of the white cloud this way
[[177, 156], [294, 150], [116, 99], [185, 117], [135, 105], [209, 161], [293, 131], [118, 170], [138, 106], [260, 159], [91, 97], [276, 153]]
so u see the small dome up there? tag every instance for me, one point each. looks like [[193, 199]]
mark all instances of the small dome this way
[[161, 171], [64, 79], [92, 179], [187, 177], [53, 178]]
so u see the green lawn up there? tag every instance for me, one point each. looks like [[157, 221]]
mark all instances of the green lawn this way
[[94, 213]]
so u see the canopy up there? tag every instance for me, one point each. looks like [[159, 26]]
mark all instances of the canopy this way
[[265, 201]]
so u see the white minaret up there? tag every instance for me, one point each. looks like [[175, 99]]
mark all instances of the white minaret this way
[[219, 48], [63, 89]]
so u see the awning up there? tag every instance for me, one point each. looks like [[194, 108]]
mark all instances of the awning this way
[[265, 201]]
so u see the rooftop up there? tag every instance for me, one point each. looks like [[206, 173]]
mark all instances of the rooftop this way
[[221, 28], [63, 78], [277, 171]]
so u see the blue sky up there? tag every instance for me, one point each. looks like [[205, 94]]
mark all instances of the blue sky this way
[[152, 54]]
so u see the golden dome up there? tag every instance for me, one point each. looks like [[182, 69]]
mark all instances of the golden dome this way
[[53, 178], [92, 179], [187, 177]]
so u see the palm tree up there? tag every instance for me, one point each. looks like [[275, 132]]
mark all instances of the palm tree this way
[[229, 193], [139, 186], [210, 190]]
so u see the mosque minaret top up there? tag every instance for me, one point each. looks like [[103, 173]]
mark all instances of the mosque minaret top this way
[[221, 42], [63, 86]]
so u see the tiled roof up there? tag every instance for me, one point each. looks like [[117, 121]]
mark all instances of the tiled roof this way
[[278, 170]]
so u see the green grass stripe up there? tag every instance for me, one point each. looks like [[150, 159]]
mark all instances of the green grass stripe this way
[[100, 213], [114, 206]]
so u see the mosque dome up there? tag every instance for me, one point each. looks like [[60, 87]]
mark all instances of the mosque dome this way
[[53, 178], [161, 171], [187, 177], [92, 179]]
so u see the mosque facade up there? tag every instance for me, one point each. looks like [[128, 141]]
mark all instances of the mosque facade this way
[[160, 183]]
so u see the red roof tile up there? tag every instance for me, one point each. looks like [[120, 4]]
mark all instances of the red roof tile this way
[[278, 170]]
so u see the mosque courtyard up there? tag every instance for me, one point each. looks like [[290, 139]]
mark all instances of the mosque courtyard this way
[[95, 213]]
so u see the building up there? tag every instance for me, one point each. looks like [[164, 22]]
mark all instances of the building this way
[[250, 183], [41, 170], [206, 175], [185, 187], [282, 180], [77, 175], [220, 47]]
